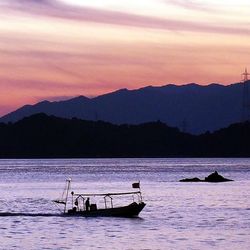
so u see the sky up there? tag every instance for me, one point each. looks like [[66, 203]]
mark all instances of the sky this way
[[58, 49]]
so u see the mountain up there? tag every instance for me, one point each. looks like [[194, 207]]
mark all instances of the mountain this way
[[42, 136], [192, 107], [48, 136]]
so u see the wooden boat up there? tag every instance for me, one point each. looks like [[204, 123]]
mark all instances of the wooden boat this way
[[80, 205]]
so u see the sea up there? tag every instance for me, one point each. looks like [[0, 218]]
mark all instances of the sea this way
[[177, 215]]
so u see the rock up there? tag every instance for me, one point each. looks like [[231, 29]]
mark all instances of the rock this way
[[191, 180], [214, 177]]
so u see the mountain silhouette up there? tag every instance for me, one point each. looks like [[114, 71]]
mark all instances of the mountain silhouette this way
[[42, 136], [191, 107]]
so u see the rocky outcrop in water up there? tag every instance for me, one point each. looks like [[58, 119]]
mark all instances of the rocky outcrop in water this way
[[214, 177]]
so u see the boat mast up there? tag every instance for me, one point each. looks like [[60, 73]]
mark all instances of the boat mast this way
[[68, 181]]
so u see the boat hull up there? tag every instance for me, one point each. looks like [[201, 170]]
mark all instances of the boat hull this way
[[132, 210]]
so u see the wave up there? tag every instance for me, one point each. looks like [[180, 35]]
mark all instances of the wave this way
[[6, 214]]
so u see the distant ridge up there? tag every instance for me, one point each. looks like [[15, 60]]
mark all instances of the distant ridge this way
[[42, 136], [191, 107]]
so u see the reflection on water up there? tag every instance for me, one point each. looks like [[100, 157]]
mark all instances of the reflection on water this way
[[177, 215]]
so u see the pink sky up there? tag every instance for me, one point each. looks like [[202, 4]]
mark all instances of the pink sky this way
[[58, 49]]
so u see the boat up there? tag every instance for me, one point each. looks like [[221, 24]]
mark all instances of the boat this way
[[80, 203]]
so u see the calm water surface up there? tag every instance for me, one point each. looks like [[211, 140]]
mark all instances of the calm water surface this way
[[177, 215]]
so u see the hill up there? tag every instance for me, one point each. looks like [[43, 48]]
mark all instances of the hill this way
[[197, 108], [42, 136]]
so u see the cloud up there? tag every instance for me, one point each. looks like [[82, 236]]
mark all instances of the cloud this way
[[190, 4], [12, 83], [56, 9]]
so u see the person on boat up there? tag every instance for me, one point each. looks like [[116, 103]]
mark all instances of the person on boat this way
[[87, 204]]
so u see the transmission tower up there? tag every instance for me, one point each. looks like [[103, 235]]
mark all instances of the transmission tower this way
[[245, 101]]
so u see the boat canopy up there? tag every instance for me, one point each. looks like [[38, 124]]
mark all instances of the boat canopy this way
[[106, 194]]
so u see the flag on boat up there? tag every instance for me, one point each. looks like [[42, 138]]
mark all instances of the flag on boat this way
[[136, 185]]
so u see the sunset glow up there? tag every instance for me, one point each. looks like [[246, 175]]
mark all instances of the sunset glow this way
[[51, 49]]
